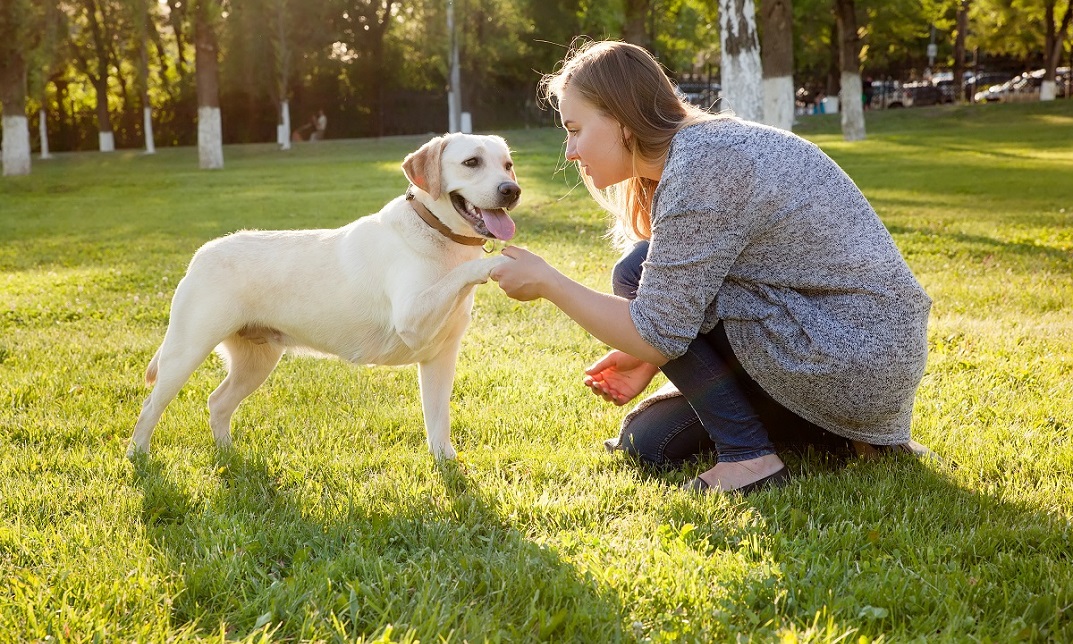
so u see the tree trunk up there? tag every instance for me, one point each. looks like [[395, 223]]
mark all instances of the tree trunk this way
[[959, 50], [143, 81], [283, 130], [741, 72], [634, 30], [777, 61], [851, 102], [105, 134], [282, 48], [175, 16], [42, 128], [1052, 48], [379, 76], [209, 129], [16, 128]]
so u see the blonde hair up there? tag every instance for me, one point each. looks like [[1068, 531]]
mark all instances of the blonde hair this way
[[625, 83]]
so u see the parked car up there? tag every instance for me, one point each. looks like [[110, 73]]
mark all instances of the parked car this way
[[889, 94], [982, 81], [923, 94], [1023, 88], [945, 82]]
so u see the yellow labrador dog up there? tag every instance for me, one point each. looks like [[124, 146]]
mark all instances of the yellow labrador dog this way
[[392, 288]]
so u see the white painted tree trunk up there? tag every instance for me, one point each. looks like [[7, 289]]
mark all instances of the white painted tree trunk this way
[[210, 149], [779, 102], [283, 132], [42, 128], [147, 128], [106, 141], [1048, 91], [741, 71], [852, 107], [16, 154]]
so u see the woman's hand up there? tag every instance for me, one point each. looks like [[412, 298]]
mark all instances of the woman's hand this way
[[607, 317], [619, 377], [526, 278]]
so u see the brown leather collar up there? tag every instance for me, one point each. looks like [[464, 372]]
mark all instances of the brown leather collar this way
[[439, 226]]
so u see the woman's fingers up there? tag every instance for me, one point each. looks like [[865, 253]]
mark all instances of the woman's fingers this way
[[512, 252]]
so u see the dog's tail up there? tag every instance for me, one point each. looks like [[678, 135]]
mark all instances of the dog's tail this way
[[150, 371]]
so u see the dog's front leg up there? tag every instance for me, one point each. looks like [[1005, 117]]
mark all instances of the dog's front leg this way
[[437, 379], [422, 316]]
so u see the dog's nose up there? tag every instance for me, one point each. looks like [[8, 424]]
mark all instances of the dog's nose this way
[[510, 190]]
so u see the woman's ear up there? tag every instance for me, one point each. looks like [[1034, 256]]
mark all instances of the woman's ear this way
[[627, 138]]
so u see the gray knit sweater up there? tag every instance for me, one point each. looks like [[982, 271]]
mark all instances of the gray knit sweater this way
[[759, 228]]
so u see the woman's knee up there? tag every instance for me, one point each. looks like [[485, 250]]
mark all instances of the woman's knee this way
[[666, 433], [626, 275]]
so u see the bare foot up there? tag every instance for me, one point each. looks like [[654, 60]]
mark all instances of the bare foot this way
[[619, 377], [731, 476]]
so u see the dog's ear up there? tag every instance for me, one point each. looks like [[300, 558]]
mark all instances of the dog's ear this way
[[422, 168]]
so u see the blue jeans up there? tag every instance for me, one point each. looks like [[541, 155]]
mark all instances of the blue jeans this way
[[721, 408]]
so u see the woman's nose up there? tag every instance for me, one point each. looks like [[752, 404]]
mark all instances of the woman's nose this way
[[571, 152]]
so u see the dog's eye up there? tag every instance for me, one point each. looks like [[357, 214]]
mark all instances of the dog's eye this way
[[472, 162], [509, 166]]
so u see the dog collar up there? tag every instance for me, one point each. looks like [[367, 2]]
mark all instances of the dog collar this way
[[439, 226]]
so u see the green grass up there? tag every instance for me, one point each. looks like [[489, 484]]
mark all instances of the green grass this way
[[328, 520]]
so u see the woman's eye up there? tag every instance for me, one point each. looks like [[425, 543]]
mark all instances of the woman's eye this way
[[472, 163]]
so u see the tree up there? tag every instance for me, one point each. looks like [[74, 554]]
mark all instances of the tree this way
[[96, 26], [44, 65], [363, 25], [208, 14], [777, 62], [849, 48], [22, 23], [283, 56], [1055, 35], [1023, 29], [143, 19], [959, 49], [637, 18], [741, 72]]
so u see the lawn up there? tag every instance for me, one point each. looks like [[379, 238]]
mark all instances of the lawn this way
[[329, 521]]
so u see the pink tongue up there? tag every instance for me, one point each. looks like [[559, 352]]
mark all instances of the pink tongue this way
[[499, 223]]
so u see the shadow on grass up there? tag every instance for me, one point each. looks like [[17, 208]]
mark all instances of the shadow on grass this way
[[257, 553], [888, 548], [1036, 253]]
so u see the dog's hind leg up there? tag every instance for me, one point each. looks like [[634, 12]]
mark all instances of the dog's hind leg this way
[[437, 378], [174, 363], [248, 365]]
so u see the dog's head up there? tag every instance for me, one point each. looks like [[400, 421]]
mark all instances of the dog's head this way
[[469, 182]]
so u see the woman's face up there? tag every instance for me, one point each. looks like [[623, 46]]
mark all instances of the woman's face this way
[[595, 141]]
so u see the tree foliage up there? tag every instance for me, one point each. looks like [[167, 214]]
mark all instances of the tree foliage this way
[[380, 67]]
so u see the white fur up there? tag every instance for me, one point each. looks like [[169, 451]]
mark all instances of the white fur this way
[[385, 289]]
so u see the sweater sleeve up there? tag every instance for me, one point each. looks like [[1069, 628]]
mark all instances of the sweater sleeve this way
[[700, 225]]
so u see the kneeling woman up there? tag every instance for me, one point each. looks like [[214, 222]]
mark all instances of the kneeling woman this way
[[757, 277]]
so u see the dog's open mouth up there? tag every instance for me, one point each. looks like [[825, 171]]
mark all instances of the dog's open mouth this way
[[488, 222]]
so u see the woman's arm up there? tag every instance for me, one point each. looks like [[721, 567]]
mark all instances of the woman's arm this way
[[606, 317]]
